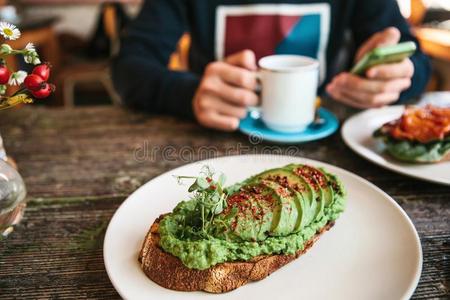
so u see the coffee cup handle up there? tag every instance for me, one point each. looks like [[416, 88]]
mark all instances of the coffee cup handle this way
[[258, 83], [256, 109]]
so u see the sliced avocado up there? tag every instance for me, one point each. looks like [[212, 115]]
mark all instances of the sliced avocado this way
[[254, 215], [265, 223], [305, 172], [330, 193], [338, 192], [285, 213], [308, 193], [302, 196], [246, 229], [324, 184], [300, 204]]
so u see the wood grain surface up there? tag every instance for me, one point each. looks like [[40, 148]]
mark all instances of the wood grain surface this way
[[80, 164]]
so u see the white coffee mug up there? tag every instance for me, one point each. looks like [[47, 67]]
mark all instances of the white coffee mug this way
[[288, 91]]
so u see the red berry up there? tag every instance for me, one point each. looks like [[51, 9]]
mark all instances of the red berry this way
[[4, 74], [33, 82], [42, 71], [44, 92]]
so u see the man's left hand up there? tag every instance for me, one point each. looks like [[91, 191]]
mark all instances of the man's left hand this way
[[382, 84]]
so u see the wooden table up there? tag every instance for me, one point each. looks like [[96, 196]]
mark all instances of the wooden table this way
[[80, 164]]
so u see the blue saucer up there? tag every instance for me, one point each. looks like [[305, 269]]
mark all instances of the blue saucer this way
[[253, 125]]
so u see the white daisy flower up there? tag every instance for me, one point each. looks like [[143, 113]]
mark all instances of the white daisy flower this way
[[17, 78], [30, 47], [9, 31]]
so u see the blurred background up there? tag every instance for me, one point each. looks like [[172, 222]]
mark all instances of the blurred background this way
[[79, 37]]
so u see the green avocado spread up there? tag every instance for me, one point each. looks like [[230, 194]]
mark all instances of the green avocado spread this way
[[275, 212]]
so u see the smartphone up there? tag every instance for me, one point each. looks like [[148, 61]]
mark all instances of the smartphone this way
[[384, 55]]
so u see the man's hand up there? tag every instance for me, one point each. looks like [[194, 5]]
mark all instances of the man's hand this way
[[226, 90], [382, 84]]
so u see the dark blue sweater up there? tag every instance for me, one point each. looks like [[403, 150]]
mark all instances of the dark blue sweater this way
[[222, 27]]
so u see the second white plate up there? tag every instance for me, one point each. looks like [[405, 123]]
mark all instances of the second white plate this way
[[357, 133]]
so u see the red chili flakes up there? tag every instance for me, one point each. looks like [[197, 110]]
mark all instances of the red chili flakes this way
[[255, 189], [233, 224], [313, 176], [284, 182], [283, 192], [298, 188], [250, 202], [237, 199]]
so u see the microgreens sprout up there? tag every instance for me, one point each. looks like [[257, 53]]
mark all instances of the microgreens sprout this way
[[209, 196]]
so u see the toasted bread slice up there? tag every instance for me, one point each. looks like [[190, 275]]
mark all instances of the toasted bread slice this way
[[445, 158], [169, 272]]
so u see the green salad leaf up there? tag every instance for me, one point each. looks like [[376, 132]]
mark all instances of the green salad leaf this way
[[410, 151]]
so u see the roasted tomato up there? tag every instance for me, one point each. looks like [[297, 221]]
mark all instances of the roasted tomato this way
[[421, 124]]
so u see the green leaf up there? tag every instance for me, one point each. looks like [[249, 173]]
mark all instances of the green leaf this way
[[222, 179], [193, 187], [417, 152], [215, 197], [219, 208], [202, 183]]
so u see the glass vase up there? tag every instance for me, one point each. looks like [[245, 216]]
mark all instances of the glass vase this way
[[12, 198]]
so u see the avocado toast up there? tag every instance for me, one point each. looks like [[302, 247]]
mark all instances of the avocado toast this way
[[224, 238], [420, 135]]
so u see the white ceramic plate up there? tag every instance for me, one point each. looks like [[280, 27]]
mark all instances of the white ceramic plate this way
[[357, 133], [373, 251]]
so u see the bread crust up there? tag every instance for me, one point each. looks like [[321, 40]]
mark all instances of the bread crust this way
[[445, 158], [168, 271]]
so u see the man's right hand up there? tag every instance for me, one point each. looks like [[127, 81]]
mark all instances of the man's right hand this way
[[226, 90]]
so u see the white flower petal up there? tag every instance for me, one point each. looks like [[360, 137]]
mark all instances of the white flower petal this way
[[20, 76], [9, 31], [30, 47], [17, 78]]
